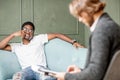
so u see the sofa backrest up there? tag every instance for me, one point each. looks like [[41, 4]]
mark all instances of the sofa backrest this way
[[60, 54]]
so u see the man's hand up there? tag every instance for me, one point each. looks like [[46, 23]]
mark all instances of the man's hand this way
[[73, 69], [70, 69], [59, 76], [77, 45], [19, 33]]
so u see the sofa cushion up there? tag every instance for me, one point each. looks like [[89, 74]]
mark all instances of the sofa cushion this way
[[60, 54], [8, 64]]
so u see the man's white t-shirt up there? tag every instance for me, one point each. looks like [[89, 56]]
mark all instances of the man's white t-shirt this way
[[33, 53]]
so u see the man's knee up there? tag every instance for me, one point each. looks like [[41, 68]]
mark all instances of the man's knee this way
[[17, 76]]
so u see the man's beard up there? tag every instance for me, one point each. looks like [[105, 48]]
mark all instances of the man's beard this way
[[90, 20], [28, 37]]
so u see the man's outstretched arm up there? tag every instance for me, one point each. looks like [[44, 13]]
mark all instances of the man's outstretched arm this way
[[65, 38]]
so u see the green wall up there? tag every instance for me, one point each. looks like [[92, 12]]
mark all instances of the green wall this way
[[49, 16]]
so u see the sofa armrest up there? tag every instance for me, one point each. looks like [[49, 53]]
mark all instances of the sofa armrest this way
[[8, 64], [113, 70]]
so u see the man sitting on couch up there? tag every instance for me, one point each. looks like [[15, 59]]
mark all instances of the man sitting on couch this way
[[31, 50]]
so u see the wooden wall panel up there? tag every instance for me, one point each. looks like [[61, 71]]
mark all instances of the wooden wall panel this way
[[53, 16], [10, 16]]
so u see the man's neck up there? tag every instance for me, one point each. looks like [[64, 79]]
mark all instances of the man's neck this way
[[95, 17], [25, 42]]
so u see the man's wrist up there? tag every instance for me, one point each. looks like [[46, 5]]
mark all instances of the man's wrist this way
[[73, 41]]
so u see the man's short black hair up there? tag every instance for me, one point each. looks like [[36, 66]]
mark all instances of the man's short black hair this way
[[28, 23]]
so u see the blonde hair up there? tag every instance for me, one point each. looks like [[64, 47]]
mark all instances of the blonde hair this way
[[89, 6]]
